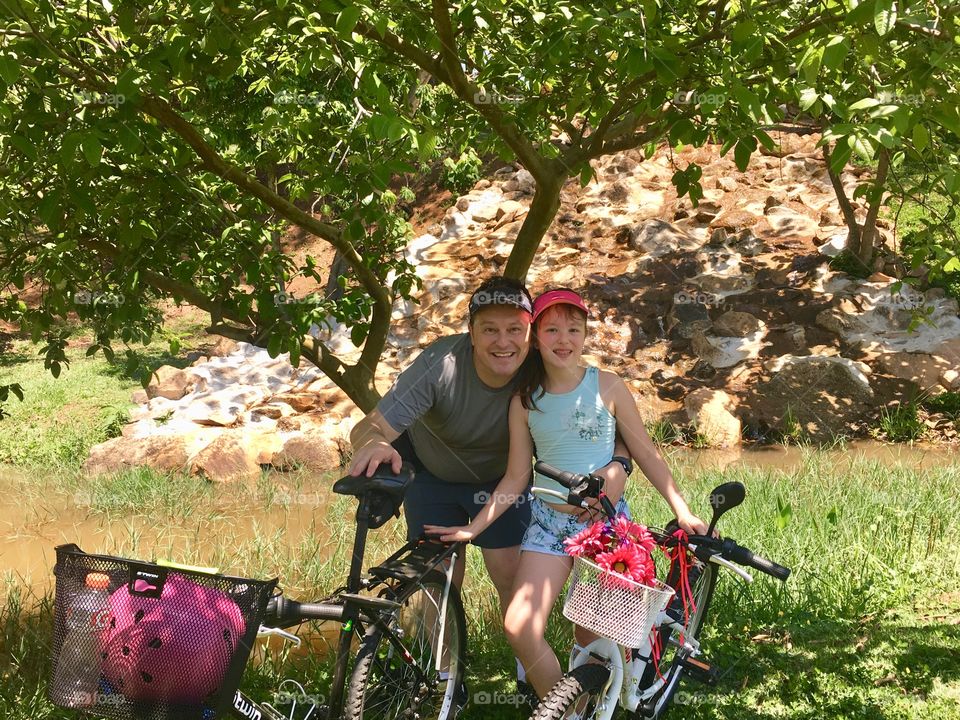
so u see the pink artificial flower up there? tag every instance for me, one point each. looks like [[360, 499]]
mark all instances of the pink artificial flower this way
[[626, 529], [586, 543], [629, 561]]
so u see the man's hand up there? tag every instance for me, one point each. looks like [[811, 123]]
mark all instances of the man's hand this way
[[461, 533], [368, 458]]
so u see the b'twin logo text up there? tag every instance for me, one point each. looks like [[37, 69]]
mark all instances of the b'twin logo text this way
[[241, 704]]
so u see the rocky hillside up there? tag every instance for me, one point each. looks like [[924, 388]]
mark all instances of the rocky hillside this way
[[725, 317]]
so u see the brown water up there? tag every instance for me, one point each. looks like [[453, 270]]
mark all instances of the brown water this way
[[32, 525], [33, 522]]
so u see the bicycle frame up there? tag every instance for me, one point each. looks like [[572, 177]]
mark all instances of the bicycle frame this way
[[623, 685], [404, 569]]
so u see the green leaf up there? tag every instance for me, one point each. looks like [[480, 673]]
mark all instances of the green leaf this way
[[743, 30], [839, 157], [833, 516], [884, 16], [835, 52], [864, 104], [9, 70], [358, 333], [742, 152], [810, 63], [952, 265], [275, 345], [586, 174], [347, 21], [784, 513], [295, 354], [808, 97], [91, 149], [863, 146]]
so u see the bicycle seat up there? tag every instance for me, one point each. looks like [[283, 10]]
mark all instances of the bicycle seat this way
[[384, 480]]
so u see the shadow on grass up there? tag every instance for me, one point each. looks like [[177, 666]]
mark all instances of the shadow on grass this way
[[25, 633]]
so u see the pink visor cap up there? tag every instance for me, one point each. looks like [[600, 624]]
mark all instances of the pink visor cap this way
[[557, 297]]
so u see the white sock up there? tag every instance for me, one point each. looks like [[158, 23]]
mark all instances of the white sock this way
[[521, 673]]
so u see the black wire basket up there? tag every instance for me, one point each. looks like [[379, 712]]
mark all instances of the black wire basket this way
[[139, 641]]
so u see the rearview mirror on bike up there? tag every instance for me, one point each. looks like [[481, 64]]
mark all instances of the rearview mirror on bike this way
[[725, 497]]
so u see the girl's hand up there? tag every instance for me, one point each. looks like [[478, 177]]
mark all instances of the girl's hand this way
[[691, 524], [461, 533]]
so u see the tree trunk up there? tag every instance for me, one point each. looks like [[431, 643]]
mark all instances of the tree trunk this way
[[846, 207], [543, 209], [869, 234]]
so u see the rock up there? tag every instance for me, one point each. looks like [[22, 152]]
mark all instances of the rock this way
[[710, 412], [921, 368], [166, 453], [734, 220], [837, 321], [525, 182], [171, 383], [223, 347], [139, 396], [509, 210], [227, 459], [707, 211], [718, 237], [824, 396], [736, 324], [724, 352], [727, 183], [834, 246], [482, 184], [686, 318], [720, 285], [484, 213], [658, 237], [789, 223], [315, 449], [748, 244], [463, 203]]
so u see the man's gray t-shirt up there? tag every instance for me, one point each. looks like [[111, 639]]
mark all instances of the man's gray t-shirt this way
[[457, 424]]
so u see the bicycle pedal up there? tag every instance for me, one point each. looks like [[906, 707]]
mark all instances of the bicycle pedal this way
[[700, 671]]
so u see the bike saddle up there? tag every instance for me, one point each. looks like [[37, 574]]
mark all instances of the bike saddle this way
[[384, 480]]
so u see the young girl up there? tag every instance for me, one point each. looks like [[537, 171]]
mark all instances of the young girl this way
[[570, 413]]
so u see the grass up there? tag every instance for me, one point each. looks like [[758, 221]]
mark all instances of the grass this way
[[867, 626], [60, 419], [901, 423]]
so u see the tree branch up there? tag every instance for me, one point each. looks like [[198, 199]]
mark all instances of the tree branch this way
[[467, 91]]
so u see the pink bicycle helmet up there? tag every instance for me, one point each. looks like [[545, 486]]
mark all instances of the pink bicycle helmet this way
[[175, 648]]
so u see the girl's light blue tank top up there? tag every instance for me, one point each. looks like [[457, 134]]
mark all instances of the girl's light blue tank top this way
[[572, 431]]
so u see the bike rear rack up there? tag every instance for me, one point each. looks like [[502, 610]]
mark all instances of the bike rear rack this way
[[413, 560]]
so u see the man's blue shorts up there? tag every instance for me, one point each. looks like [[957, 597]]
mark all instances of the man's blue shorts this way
[[432, 501]]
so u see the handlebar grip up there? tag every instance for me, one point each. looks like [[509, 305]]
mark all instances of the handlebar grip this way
[[283, 612], [568, 479], [744, 556]]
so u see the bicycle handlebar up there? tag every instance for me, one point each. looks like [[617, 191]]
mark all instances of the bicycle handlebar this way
[[284, 612], [582, 486]]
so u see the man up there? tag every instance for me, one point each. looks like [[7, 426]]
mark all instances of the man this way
[[447, 412]]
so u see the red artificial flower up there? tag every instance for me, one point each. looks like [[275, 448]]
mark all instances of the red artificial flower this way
[[586, 543]]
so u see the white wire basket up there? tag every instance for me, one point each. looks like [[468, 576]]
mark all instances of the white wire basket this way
[[613, 606]]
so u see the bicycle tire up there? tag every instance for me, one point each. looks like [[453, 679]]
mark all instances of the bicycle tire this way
[[673, 672], [578, 692], [383, 685]]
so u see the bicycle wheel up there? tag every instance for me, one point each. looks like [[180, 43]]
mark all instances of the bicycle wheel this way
[[385, 686], [579, 694], [671, 667]]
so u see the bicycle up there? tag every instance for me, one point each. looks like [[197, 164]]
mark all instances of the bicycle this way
[[607, 674], [406, 613]]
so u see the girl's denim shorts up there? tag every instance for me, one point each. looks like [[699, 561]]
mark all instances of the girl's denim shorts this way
[[549, 528]]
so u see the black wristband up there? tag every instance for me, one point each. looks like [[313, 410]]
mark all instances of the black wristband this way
[[625, 461]]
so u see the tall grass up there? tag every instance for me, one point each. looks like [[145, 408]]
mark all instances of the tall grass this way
[[867, 626]]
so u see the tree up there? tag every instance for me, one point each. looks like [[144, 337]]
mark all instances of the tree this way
[[148, 156], [885, 92]]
